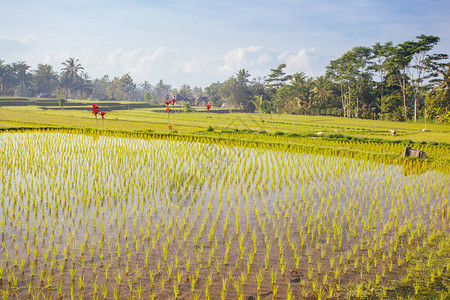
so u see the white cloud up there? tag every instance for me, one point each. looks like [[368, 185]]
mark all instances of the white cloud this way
[[251, 57], [299, 61], [259, 60], [141, 63], [13, 48], [138, 61], [200, 64], [176, 67], [23, 40]]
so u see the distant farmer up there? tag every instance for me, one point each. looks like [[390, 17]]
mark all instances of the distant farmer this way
[[393, 132]]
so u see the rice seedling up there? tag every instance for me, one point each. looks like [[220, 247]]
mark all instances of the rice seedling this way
[[150, 210]]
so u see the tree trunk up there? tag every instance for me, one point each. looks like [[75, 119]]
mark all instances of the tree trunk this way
[[402, 82], [357, 106], [349, 111], [415, 109], [404, 104], [382, 86], [343, 101]]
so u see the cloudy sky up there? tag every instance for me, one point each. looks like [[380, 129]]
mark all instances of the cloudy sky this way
[[200, 42]]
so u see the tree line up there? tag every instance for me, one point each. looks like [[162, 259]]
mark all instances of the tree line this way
[[386, 81]]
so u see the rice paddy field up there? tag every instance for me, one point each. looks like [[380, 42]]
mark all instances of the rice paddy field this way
[[119, 216], [255, 207], [155, 119]]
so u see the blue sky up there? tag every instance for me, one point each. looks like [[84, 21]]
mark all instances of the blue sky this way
[[200, 42]]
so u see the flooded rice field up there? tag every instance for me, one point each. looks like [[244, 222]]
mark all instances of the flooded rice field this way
[[109, 217]]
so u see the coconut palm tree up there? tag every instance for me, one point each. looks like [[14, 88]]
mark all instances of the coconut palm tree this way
[[23, 76], [438, 99], [445, 83], [242, 77], [320, 88], [84, 85], [45, 78], [70, 74], [146, 86], [7, 78]]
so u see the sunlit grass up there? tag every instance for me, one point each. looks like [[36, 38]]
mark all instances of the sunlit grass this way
[[148, 118]]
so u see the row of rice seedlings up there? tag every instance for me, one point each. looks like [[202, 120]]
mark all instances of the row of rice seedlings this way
[[432, 150], [117, 217]]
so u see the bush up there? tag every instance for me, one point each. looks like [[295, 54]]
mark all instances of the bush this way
[[61, 101], [187, 107], [336, 136]]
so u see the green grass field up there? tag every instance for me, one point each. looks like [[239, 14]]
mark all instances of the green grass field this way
[[155, 120]]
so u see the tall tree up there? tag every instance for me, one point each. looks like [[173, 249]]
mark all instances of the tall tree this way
[[351, 72], [113, 89], [24, 78], [359, 63], [398, 65], [122, 88], [237, 92], [7, 79], [84, 85], [146, 87], [382, 54], [45, 79], [321, 88], [277, 78], [99, 88], [162, 90], [337, 71], [422, 65], [297, 96], [127, 87], [70, 74], [438, 99], [197, 92], [186, 91], [212, 92]]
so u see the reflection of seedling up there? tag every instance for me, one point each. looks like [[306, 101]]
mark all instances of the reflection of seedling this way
[[274, 291], [176, 290]]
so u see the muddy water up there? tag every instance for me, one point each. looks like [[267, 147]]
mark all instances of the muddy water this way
[[129, 217]]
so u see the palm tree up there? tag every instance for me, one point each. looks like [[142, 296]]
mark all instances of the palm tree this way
[[242, 76], [321, 88], [45, 78], [84, 84], [23, 77], [161, 90], [258, 102], [440, 95], [445, 84], [70, 73], [6, 78], [146, 86]]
